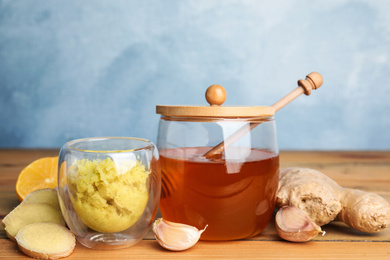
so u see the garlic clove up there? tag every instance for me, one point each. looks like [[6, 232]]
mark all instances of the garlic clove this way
[[293, 224], [175, 236]]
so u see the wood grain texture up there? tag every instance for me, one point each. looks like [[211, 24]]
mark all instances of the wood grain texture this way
[[149, 249], [368, 171]]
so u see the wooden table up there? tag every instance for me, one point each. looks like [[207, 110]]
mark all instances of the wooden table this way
[[368, 171]]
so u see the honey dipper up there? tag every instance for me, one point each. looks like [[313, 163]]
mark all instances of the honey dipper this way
[[216, 95]]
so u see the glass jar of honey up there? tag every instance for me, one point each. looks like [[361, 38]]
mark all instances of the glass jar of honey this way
[[220, 166]]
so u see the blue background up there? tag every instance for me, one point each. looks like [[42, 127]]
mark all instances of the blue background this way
[[74, 69]]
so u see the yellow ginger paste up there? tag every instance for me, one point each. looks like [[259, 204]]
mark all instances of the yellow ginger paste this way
[[108, 196]]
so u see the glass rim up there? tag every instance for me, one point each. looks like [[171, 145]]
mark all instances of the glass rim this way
[[257, 119], [149, 144]]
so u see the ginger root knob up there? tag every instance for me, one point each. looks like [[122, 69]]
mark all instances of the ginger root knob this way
[[324, 200]]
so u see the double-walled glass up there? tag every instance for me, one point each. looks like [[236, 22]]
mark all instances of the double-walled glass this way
[[109, 189], [232, 193]]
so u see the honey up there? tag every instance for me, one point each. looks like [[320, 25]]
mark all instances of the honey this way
[[234, 196]]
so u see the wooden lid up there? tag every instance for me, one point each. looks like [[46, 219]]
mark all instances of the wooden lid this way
[[215, 96]]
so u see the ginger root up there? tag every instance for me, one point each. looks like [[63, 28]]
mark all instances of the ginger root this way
[[324, 200], [28, 213], [46, 196], [38, 206], [46, 240]]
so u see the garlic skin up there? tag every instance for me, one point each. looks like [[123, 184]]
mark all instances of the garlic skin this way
[[175, 236], [293, 224]]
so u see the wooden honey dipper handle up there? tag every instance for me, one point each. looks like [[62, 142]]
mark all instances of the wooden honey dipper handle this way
[[313, 81]]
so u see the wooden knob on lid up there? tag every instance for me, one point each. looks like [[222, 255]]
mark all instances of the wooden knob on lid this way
[[215, 95], [313, 81]]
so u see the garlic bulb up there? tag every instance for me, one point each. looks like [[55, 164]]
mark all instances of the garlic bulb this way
[[293, 224], [175, 236]]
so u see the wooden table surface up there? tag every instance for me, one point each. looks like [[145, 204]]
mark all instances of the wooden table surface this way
[[368, 171]]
